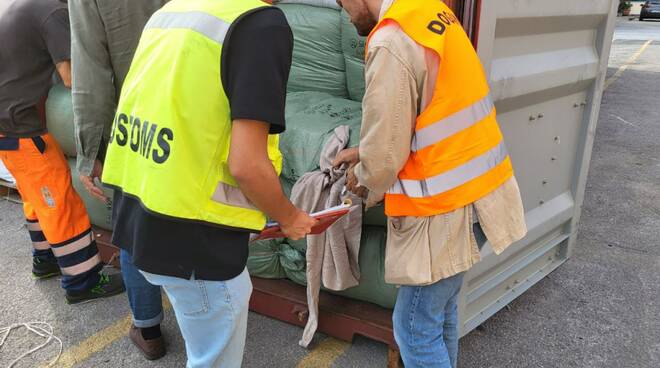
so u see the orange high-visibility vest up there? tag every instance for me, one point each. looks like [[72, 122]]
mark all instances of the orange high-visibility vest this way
[[457, 153]]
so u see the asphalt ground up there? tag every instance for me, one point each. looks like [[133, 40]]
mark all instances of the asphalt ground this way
[[600, 309], [632, 29]]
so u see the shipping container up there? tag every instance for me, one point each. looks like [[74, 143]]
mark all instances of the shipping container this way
[[546, 62]]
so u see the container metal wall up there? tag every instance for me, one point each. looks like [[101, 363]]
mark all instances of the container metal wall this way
[[546, 61]]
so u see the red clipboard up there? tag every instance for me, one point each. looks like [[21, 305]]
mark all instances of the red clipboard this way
[[326, 218]]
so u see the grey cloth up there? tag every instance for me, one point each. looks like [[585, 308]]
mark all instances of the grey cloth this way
[[332, 257], [34, 37], [105, 34]]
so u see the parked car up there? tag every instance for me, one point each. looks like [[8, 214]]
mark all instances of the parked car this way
[[650, 10]]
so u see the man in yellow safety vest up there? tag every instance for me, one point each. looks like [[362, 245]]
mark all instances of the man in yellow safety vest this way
[[193, 157]]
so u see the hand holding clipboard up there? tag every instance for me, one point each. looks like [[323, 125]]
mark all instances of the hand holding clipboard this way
[[325, 219]]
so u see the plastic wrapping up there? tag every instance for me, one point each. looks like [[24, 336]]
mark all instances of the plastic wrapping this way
[[311, 117], [352, 46], [59, 118], [318, 61]]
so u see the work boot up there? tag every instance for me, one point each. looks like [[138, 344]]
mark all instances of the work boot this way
[[107, 286], [44, 269], [152, 349]]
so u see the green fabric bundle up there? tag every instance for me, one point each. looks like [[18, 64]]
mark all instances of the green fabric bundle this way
[[327, 70], [264, 259], [318, 62], [352, 46], [279, 259], [311, 117], [59, 118], [100, 214]]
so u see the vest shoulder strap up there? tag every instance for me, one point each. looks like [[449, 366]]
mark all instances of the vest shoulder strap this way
[[427, 22]]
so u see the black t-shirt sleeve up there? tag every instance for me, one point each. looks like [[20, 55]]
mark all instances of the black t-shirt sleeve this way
[[255, 67], [56, 33]]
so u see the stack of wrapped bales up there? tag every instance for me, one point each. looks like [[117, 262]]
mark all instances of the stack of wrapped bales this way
[[326, 87]]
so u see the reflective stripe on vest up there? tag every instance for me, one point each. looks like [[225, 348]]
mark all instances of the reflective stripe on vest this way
[[453, 178], [452, 124], [232, 196], [206, 24]]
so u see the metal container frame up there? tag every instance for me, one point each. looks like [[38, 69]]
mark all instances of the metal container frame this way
[[547, 63]]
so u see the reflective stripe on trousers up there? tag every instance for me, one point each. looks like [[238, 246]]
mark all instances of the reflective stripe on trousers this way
[[37, 236], [77, 255], [55, 212]]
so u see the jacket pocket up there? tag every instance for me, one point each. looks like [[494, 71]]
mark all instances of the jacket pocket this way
[[407, 253]]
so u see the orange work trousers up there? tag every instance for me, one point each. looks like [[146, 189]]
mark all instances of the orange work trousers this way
[[56, 216]]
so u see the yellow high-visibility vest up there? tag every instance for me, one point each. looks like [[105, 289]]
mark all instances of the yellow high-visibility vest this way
[[457, 154], [172, 132]]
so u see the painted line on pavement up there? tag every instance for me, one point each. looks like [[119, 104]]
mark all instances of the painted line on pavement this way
[[626, 65], [324, 354], [95, 343], [99, 341]]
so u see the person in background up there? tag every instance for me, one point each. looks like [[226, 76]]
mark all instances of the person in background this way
[[193, 157], [105, 34], [35, 40], [431, 148]]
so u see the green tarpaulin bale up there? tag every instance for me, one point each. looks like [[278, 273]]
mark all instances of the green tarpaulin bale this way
[[375, 216], [100, 214], [372, 287], [275, 259], [311, 118], [294, 263], [352, 46], [264, 259], [318, 62], [59, 118]]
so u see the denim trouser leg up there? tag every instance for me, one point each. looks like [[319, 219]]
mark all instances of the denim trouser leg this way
[[450, 328], [212, 316], [144, 298], [426, 323]]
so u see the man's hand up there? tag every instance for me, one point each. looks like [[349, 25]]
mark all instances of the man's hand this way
[[298, 225], [350, 156], [64, 70], [352, 184], [88, 182]]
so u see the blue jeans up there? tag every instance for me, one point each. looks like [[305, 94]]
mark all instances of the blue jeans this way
[[212, 316], [144, 298], [426, 323]]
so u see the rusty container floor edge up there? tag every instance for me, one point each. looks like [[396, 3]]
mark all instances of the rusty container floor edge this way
[[109, 253], [339, 317]]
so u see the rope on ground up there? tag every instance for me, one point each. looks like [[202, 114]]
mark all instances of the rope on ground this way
[[42, 329]]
